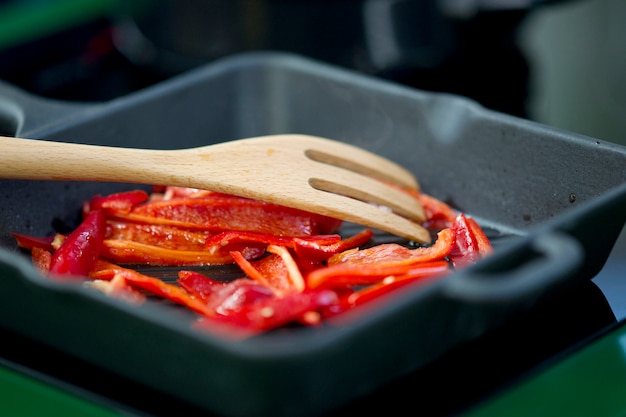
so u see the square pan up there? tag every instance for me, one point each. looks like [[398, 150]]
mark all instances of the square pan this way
[[553, 203]]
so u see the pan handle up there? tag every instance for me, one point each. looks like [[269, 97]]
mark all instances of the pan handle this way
[[23, 114], [544, 261]]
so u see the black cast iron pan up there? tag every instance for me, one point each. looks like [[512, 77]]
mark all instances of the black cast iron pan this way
[[553, 203]]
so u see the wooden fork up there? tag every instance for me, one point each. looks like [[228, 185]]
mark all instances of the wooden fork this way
[[305, 172]]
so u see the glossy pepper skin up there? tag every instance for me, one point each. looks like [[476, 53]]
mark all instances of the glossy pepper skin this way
[[470, 242], [370, 265], [216, 212], [79, 251], [117, 202]]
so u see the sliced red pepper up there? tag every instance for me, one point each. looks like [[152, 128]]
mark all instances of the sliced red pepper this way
[[316, 251], [218, 212], [183, 226], [129, 252], [178, 238], [119, 288], [159, 244], [158, 235], [275, 312], [29, 242], [80, 250], [343, 304], [118, 202], [228, 237], [395, 254], [439, 215], [198, 284], [270, 271], [355, 275], [224, 298], [237, 295], [484, 245], [471, 244], [241, 303], [250, 270], [418, 272], [107, 271], [294, 276], [351, 296], [367, 266]]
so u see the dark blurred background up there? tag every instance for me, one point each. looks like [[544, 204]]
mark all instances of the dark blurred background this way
[[558, 62]]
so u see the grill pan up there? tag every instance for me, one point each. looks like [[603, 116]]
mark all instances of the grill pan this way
[[552, 202]]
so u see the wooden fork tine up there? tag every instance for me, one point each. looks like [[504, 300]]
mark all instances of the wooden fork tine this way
[[354, 181], [340, 181], [359, 160], [366, 214]]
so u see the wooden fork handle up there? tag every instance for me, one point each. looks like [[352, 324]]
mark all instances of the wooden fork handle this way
[[253, 176], [48, 160]]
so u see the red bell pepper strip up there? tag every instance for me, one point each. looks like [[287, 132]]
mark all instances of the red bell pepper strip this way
[[395, 254], [256, 275], [178, 238], [356, 275], [240, 303], [343, 304], [351, 296], [157, 235], [198, 284], [471, 244], [223, 297], [271, 271], [439, 215], [237, 295], [107, 271], [119, 288], [218, 212], [367, 266], [240, 297], [294, 276], [121, 202], [120, 251], [274, 312], [157, 244], [484, 244], [79, 252], [228, 237], [419, 272], [226, 299], [29, 242], [316, 252]]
